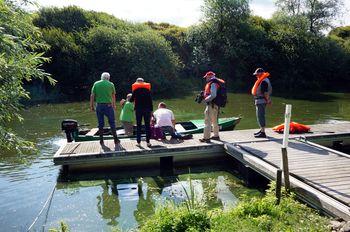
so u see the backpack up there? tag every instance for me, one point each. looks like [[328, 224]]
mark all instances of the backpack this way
[[221, 94]]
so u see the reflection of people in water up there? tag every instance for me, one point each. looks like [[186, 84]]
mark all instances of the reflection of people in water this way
[[145, 206], [108, 204]]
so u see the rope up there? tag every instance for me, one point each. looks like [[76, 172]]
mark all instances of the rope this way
[[49, 199]]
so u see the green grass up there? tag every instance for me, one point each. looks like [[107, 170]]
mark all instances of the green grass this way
[[251, 214]]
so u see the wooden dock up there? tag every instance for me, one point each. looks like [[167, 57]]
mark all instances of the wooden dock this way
[[319, 175]]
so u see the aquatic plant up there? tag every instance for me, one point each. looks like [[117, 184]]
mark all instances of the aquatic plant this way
[[63, 228], [251, 214]]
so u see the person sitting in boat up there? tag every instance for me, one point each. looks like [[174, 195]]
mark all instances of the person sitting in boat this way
[[103, 93], [165, 120], [127, 115], [141, 95]]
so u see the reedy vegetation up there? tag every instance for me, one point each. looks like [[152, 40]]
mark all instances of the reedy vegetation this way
[[251, 214]]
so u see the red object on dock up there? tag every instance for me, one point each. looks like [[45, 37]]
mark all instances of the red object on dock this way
[[294, 128]]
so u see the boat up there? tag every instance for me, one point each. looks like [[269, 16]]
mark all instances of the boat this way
[[76, 133]]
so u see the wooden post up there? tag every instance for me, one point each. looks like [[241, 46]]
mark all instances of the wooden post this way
[[278, 186], [284, 165]]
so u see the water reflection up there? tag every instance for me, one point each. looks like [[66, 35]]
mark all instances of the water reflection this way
[[108, 204], [182, 191], [124, 203]]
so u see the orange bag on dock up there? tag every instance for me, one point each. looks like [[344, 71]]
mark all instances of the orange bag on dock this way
[[294, 128]]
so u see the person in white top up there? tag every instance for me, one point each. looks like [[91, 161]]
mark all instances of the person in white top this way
[[165, 119], [164, 116]]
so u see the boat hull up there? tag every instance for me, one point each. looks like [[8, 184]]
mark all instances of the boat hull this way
[[191, 127]]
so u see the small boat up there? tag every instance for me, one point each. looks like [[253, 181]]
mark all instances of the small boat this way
[[74, 132]]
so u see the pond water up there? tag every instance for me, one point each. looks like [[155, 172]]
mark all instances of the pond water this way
[[94, 203]]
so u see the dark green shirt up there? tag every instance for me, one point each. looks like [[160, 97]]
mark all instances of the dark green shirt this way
[[103, 91]]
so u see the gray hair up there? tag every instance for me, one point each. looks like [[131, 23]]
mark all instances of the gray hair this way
[[128, 96], [162, 105], [140, 79], [105, 76]]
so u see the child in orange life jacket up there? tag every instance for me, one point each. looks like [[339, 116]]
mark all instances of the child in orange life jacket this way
[[261, 91], [211, 111]]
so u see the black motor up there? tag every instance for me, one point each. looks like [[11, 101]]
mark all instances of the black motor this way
[[69, 126]]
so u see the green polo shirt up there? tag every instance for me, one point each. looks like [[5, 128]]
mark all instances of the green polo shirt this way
[[127, 113], [103, 91]]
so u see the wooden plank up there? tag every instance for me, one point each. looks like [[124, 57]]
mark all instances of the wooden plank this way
[[92, 132], [304, 191]]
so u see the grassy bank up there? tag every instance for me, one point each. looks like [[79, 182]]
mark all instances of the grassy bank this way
[[251, 214]]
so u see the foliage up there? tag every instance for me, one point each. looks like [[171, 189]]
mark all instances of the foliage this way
[[63, 228], [284, 46], [342, 36], [318, 13], [20, 61], [255, 214], [228, 40], [99, 42]]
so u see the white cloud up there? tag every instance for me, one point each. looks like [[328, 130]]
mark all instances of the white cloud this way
[[178, 12]]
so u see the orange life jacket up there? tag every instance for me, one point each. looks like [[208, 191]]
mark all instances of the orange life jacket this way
[[207, 86], [140, 85], [258, 82], [294, 128]]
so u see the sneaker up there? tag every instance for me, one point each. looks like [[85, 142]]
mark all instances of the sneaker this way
[[138, 144], [215, 138], [204, 140], [256, 133], [260, 135]]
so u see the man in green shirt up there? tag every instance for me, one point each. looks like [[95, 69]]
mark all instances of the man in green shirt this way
[[127, 115], [103, 93]]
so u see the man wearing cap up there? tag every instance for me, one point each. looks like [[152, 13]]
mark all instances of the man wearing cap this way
[[103, 93], [211, 111], [261, 91], [141, 95]]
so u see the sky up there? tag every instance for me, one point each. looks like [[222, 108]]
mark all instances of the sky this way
[[179, 12]]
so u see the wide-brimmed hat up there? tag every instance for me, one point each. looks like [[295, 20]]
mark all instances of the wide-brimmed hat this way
[[258, 70], [209, 74]]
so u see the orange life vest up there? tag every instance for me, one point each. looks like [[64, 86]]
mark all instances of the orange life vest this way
[[258, 82], [294, 128], [207, 86], [140, 85]]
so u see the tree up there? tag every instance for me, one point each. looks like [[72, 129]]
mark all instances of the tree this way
[[319, 13], [20, 61]]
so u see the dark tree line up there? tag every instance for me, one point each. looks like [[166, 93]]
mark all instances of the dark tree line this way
[[229, 40]]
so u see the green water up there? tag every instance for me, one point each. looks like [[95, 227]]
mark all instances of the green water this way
[[90, 202]]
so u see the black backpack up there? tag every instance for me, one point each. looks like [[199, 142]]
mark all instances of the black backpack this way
[[221, 94]]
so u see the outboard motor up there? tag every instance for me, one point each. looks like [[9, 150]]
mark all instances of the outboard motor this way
[[70, 127]]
